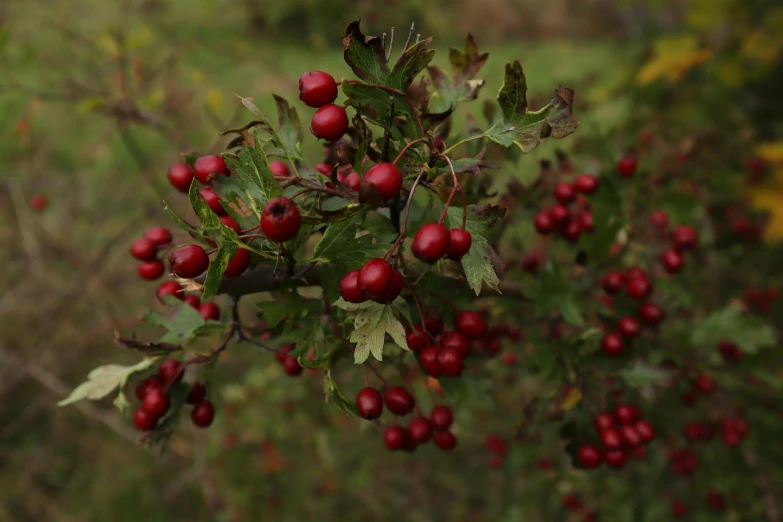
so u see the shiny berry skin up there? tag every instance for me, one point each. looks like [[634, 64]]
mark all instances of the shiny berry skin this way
[[559, 215], [586, 184], [615, 458], [589, 456], [626, 166], [203, 414], [459, 243], [629, 327], [417, 340], [652, 314], [278, 168], [240, 262], [197, 393], [206, 167], [679, 508], [350, 289], [672, 261], [231, 223], [441, 418], [565, 193], [374, 277], [369, 403], [429, 361], [444, 440], [151, 270], [431, 242], [394, 438], [456, 341], [603, 421], [730, 351], [143, 249], [143, 420], [156, 403], [324, 168], [386, 178], [704, 384], [544, 223], [420, 430], [188, 261], [213, 201], [470, 324], [145, 386], [572, 230], [586, 222], [645, 430], [280, 220], [398, 400], [640, 289], [613, 283], [329, 123], [192, 301], [630, 436], [291, 366], [613, 344], [611, 439], [450, 361], [171, 370], [158, 235], [659, 219], [180, 176], [625, 414], [317, 88], [393, 289], [353, 181], [685, 238], [209, 311]]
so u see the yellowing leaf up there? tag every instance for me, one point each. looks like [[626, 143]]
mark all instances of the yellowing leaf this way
[[139, 36], [772, 152], [673, 57], [109, 44], [102, 380], [90, 105], [769, 199], [371, 325], [571, 399], [762, 46], [215, 100]]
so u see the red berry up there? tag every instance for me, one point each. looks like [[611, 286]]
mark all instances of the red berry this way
[[156, 403], [640, 289], [635, 272], [151, 270], [398, 400], [203, 414], [625, 414], [715, 500], [171, 370], [603, 421], [704, 384], [393, 289], [431, 242], [291, 366], [240, 262], [417, 339], [148, 384], [441, 418], [394, 438], [374, 277], [565, 192], [231, 223], [324, 168], [180, 176], [353, 181], [280, 220], [213, 201], [444, 440], [193, 301], [350, 289], [611, 439], [450, 361], [206, 167], [613, 283], [573, 230], [459, 243], [589, 456], [209, 311], [559, 215], [615, 458], [470, 324], [679, 508], [731, 438], [586, 184], [39, 202], [586, 222], [730, 351], [317, 88], [386, 178], [685, 238], [629, 327], [429, 361], [626, 166], [630, 436], [645, 430], [456, 341], [613, 344], [419, 430], [544, 223], [659, 219], [143, 249], [278, 168], [652, 314], [143, 420], [330, 122], [159, 235], [572, 502], [672, 261], [188, 261], [369, 403], [434, 325], [197, 393], [496, 445]]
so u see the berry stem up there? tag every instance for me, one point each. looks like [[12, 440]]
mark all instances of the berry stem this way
[[405, 149], [401, 237], [451, 196], [364, 372], [462, 142], [398, 93]]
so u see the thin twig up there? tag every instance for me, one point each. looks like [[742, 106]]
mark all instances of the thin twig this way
[[408, 40]]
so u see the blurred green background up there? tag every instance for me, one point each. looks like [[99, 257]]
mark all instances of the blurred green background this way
[[97, 99]]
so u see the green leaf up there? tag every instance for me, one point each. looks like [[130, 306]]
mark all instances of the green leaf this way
[[462, 85], [364, 55], [569, 307], [237, 202], [333, 394], [217, 268], [552, 291], [334, 204], [103, 380], [289, 130], [413, 61], [205, 216], [730, 324], [364, 137], [642, 375], [339, 235], [526, 129], [371, 325], [184, 324], [608, 219], [376, 105], [289, 305], [477, 264], [251, 168]]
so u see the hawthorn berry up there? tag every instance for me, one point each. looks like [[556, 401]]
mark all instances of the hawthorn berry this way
[[352, 292], [672, 261], [419, 430], [143, 249], [171, 370], [572, 502], [329, 123], [635, 272], [278, 168], [456, 341], [659, 219], [586, 184], [280, 220], [652, 314], [470, 324], [704, 384], [730, 351], [143, 420], [450, 362], [630, 436], [213, 201], [192, 301], [151, 270], [181, 176], [459, 243], [353, 181], [393, 289], [240, 262], [206, 167], [161, 236], [626, 166], [629, 327], [386, 178], [231, 223], [394, 438], [429, 361], [586, 222], [639, 288], [685, 238], [544, 223], [416, 338], [431, 242], [715, 500], [565, 193], [603, 421], [317, 88], [615, 458], [645, 430], [209, 311], [613, 344], [560, 215], [434, 325], [291, 366], [441, 418], [369, 403], [613, 283], [589, 456], [444, 440], [188, 261], [203, 414], [39, 202], [610, 438], [679, 508], [197, 393], [156, 403], [374, 277], [625, 414], [145, 386], [572, 230], [398, 400]]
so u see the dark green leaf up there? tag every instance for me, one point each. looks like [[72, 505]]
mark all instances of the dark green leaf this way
[[729, 324], [289, 130], [206, 217], [478, 263], [338, 236], [334, 204], [552, 291], [376, 105], [217, 267], [364, 55], [410, 64], [364, 137], [181, 326]]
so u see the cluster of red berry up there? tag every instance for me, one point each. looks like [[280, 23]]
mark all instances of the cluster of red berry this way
[[573, 503], [761, 300], [318, 89], [146, 248], [622, 433], [434, 241], [419, 431], [443, 352], [571, 224], [290, 364]]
